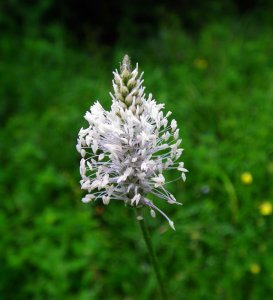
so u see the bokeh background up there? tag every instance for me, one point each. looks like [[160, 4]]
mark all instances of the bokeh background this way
[[211, 63]]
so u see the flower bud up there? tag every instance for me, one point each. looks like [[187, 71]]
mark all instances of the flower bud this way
[[124, 91], [138, 101], [131, 83], [125, 75], [119, 96], [129, 99]]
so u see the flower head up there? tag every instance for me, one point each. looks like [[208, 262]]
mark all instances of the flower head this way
[[246, 178], [125, 150], [255, 268], [266, 208]]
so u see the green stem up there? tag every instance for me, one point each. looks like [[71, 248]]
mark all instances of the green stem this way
[[233, 200], [148, 241]]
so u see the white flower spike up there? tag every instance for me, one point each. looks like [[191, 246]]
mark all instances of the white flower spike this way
[[125, 150]]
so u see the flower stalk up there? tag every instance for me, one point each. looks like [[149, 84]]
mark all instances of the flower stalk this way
[[148, 241]]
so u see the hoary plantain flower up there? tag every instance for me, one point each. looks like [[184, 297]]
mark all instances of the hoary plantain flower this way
[[125, 150]]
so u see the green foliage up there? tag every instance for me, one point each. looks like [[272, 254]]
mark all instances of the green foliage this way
[[219, 86]]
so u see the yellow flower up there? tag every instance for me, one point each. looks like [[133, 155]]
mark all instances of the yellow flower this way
[[255, 268], [200, 63], [266, 208], [246, 178]]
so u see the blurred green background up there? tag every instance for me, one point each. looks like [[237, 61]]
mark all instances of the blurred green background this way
[[211, 63]]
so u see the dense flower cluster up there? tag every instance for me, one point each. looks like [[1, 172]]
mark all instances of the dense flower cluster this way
[[125, 150]]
